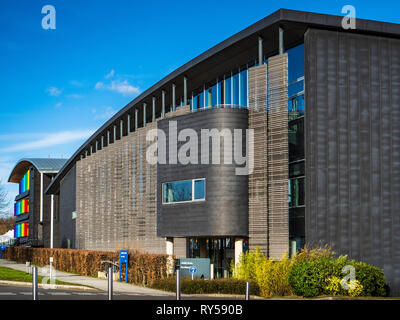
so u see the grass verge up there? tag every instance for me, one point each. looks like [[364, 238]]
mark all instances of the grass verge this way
[[17, 275]]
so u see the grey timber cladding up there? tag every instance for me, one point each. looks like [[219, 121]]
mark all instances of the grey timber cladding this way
[[224, 212], [352, 132], [116, 197], [67, 204]]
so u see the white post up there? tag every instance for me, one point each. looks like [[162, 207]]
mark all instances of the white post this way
[[51, 222], [238, 249], [169, 242], [41, 197]]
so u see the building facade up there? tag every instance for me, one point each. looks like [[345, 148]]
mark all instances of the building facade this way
[[314, 109], [36, 214]]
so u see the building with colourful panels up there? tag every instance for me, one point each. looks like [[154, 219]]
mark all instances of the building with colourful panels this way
[[33, 210], [316, 109]]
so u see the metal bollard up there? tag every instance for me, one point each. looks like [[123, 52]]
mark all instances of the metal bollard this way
[[110, 283], [178, 284], [247, 290], [34, 283]]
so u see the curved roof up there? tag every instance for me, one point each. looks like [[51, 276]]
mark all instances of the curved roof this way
[[45, 165], [228, 54]]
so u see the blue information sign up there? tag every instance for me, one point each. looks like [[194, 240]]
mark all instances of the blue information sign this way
[[193, 270], [123, 258]]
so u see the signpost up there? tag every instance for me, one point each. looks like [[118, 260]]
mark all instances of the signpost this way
[[123, 258], [193, 270]]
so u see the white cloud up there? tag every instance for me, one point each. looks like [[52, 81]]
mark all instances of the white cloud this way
[[76, 83], [58, 105], [53, 91], [110, 74], [74, 96], [51, 139], [104, 113], [120, 85]]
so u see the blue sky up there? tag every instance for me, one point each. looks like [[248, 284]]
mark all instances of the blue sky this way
[[58, 86]]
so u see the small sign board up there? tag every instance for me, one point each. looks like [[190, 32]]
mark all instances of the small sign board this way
[[123, 258], [194, 267]]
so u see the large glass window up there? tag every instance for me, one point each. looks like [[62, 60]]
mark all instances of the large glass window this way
[[296, 107], [296, 192], [228, 90], [183, 191], [236, 101], [296, 140], [220, 88]]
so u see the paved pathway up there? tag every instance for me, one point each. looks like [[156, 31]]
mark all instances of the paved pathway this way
[[101, 284]]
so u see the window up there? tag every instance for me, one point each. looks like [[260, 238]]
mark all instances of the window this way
[[184, 191], [228, 90], [236, 89], [296, 192], [296, 140], [220, 88]]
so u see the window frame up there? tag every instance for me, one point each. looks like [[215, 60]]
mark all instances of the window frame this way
[[193, 191]]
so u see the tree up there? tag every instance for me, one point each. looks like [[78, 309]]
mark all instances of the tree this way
[[4, 202]]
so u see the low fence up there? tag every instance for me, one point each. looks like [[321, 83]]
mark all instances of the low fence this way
[[143, 269]]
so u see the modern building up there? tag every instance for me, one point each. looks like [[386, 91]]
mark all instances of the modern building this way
[[36, 214], [316, 109]]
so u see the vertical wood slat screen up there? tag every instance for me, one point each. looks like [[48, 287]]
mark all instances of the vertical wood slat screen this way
[[258, 224], [278, 153], [116, 197]]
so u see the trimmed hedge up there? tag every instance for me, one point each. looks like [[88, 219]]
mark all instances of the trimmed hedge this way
[[201, 286], [143, 269]]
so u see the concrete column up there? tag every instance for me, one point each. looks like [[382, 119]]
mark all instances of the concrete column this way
[[52, 222], [102, 142], [91, 149], [115, 133], [144, 114], [185, 91], [136, 119], [121, 124], [41, 196], [238, 249], [163, 103], [128, 124], [153, 118], [173, 97], [97, 146], [260, 51], [169, 242], [281, 43], [108, 137]]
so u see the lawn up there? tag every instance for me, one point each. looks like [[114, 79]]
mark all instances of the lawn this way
[[16, 275]]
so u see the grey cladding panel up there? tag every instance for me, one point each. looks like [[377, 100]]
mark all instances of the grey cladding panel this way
[[225, 211], [353, 147]]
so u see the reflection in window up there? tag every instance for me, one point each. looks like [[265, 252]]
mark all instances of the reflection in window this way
[[236, 89], [228, 91], [296, 192], [296, 107], [296, 140], [185, 190]]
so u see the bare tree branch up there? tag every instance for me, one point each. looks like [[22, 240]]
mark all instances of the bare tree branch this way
[[4, 202]]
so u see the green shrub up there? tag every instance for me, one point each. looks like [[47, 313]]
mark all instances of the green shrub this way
[[201, 286], [270, 275]]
